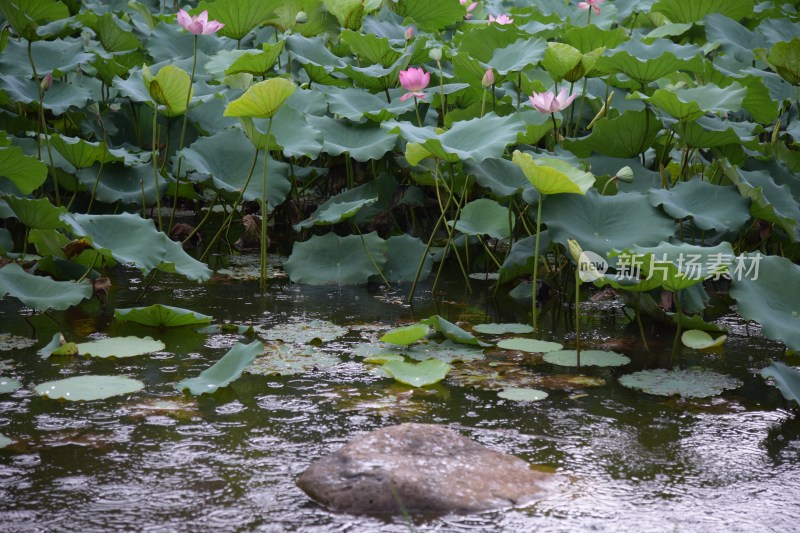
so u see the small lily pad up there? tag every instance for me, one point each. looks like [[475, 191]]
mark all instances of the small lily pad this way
[[288, 360], [418, 374], [8, 384], [302, 332], [588, 358], [89, 387], [502, 329], [406, 335], [529, 345], [700, 340], [120, 347], [522, 394], [164, 316], [4, 441], [685, 383], [224, 371], [570, 381], [446, 351], [14, 342]]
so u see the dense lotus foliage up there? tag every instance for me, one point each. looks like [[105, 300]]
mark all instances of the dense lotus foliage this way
[[387, 140]]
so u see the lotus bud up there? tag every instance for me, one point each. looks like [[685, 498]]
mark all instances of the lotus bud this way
[[488, 79], [625, 175], [46, 82], [575, 249], [86, 36], [301, 17], [435, 54], [409, 34]]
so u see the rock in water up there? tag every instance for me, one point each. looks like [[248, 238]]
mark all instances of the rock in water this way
[[420, 469]]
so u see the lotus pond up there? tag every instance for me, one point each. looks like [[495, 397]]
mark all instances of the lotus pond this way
[[235, 234]]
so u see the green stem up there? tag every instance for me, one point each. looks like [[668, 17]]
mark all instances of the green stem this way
[[441, 91], [264, 213], [416, 110], [555, 131], [536, 258], [43, 124], [676, 342], [578, 316], [639, 322], [369, 255], [205, 219], [155, 163], [483, 103], [580, 110]]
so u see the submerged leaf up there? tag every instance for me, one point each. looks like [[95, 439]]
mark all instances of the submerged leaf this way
[[289, 360], [224, 371]]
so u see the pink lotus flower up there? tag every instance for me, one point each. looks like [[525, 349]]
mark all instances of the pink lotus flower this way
[[488, 79], [501, 19], [198, 25], [548, 103], [414, 80], [591, 4], [470, 8]]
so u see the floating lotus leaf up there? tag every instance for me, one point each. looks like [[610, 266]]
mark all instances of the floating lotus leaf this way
[[529, 345], [518, 56], [700, 340], [710, 206], [695, 10], [451, 331], [362, 142], [14, 342], [41, 293], [302, 332], [588, 358], [786, 378], [405, 335], [8, 384], [248, 267], [164, 316], [239, 16], [36, 214], [553, 176], [447, 351], [647, 63], [261, 100], [404, 255], [493, 375], [570, 381], [330, 259], [684, 383], [769, 295], [485, 217], [289, 360], [379, 359], [120, 347], [522, 394], [784, 58], [417, 374], [502, 329], [224, 371], [169, 88], [25, 172], [4, 441], [88, 387], [429, 16], [625, 136]]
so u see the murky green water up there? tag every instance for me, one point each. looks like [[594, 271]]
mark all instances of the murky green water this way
[[625, 461]]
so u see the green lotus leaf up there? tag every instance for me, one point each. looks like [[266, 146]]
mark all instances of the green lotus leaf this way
[[82, 154], [429, 16], [710, 206], [312, 52], [379, 359], [518, 56], [373, 77], [700, 340], [8, 385], [589, 38], [362, 142], [25, 16], [404, 255], [786, 378], [262, 100], [58, 57], [163, 316], [521, 394], [647, 63], [767, 290], [485, 217], [26, 172], [529, 345], [257, 63], [695, 10], [110, 34], [290, 360], [6, 241], [520, 259], [36, 214], [169, 88], [784, 58], [502, 177], [695, 322], [679, 266], [319, 20], [355, 104], [560, 59], [405, 335], [290, 132], [553, 176], [684, 383], [734, 39], [451, 331], [59, 98], [349, 13], [588, 358], [41, 293], [710, 132], [625, 136], [595, 221], [667, 30], [124, 183], [336, 209], [502, 329], [690, 104], [239, 16], [88, 387], [330, 259], [417, 374], [4, 441], [120, 347], [224, 371], [769, 201], [371, 48], [302, 331]]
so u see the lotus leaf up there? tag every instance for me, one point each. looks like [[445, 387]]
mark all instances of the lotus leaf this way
[[451, 331], [711, 132], [625, 136], [588, 358], [289, 130], [529, 345], [710, 206], [690, 104], [59, 57], [519, 394], [447, 351], [518, 56], [428, 16], [502, 329], [82, 154], [404, 255], [330, 259], [485, 217], [520, 259], [261, 100], [25, 172], [302, 332], [26, 16], [591, 37], [695, 10], [289, 360], [319, 20], [734, 38], [120, 347], [88, 387], [41, 293], [161, 316], [169, 87], [647, 63], [676, 267], [553, 176], [239, 16], [60, 97], [122, 183], [36, 214], [700, 340], [417, 374], [502, 177], [312, 52], [685, 383], [406, 335], [361, 142], [770, 201], [8, 384], [379, 359], [786, 378], [224, 371], [355, 104], [371, 48], [4, 441], [784, 58]]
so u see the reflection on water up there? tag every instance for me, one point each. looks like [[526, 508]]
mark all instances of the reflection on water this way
[[155, 461]]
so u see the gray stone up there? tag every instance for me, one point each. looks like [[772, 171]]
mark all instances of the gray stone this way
[[421, 469]]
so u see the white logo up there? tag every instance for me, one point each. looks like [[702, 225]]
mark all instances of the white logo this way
[[591, 266]]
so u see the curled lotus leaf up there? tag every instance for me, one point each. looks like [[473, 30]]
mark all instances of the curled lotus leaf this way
[[700, 340], [228, 369], [39, 292], [161, 316], [786, 378]]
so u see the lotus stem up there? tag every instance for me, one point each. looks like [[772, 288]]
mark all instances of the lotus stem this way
[[264, 213], [43, 124], [578, 315], [555, 131], [536, 259], [441, 91], [202, 222], [676, 342], [416, 110], [580, 110], [450, 236], [483, 103], [369, 255]]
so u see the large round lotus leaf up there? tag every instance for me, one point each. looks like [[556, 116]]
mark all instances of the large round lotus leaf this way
[[517, 56], [8, 384], [767, 290], [529, 345], [121, 182], [700, 340], [36, 214], [418, 374], [685, 383], [485, 217], [625, 136], [362, 142], [330, 259], [240, 17], [588, 358], [302, 332], [710, 206], [447, 351], [120, 347], [553, 176], [161, 316], [522, 394], [786, 378], [14, 342], [372, 48], [288, 360], [290, 133], [224, 371], [690, 104], [429, 16], [677, 266], [24, 171], [406, 335], [520, 259], [604, 223], [41, 293], [81, 154], [502, 177], [405, 253], [88, 387], [695, 10], [770, 201], [333, 211], [261, 100], [502, 329], [647, 62]]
